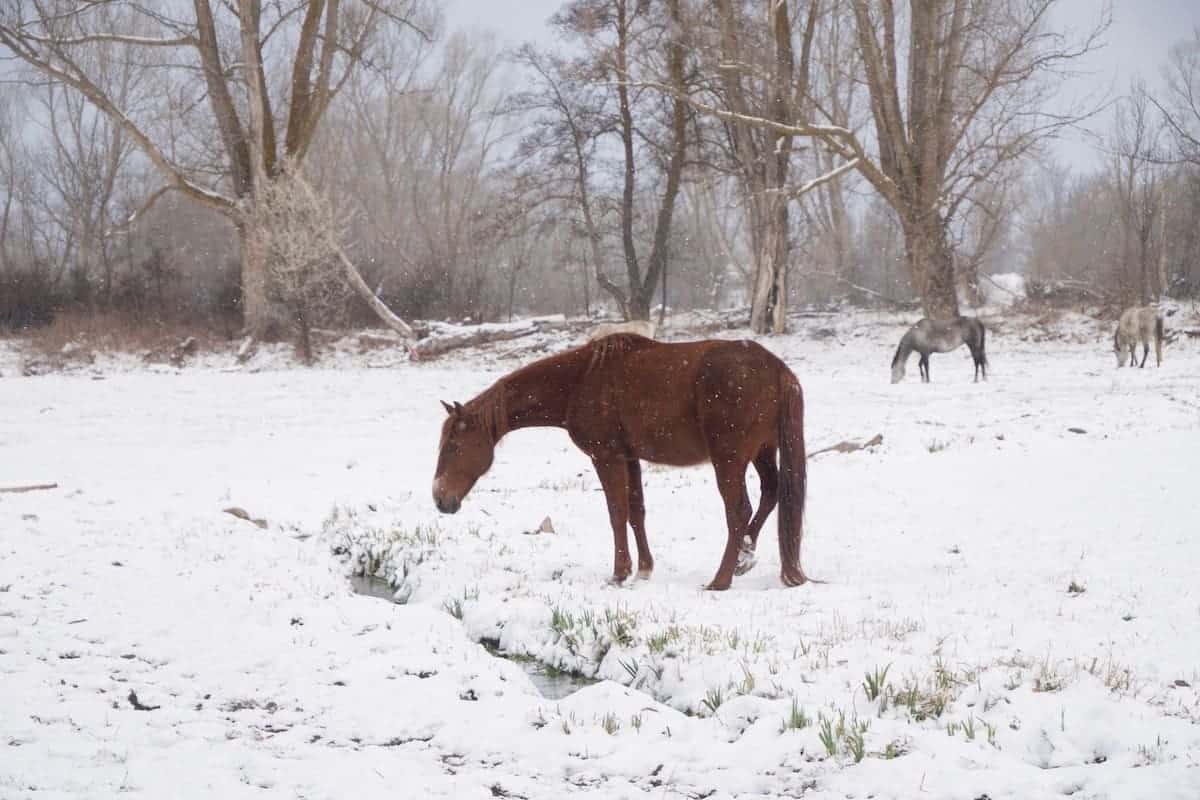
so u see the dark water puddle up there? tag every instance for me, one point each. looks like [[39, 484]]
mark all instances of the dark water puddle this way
[[372, 586], [553, 684]]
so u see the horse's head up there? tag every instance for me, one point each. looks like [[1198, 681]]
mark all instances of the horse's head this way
[[465, 453]]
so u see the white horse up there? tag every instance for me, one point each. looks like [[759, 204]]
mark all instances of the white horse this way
[[1138, 324], [641, 327], [940, 336]]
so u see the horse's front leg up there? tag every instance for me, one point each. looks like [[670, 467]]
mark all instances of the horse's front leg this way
[[731, 481], [1145, 352], [614, 478], [637, 519]]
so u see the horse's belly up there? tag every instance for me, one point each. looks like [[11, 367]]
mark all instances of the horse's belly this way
[[677, 451]]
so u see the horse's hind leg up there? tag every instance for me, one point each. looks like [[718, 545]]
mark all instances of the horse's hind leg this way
[[731, 481], [768, 480], [924, 365], [1145, 352], [614, 477], [637, 519]]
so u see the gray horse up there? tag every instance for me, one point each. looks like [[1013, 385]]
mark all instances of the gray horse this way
[[940, 336], [1138, 324]]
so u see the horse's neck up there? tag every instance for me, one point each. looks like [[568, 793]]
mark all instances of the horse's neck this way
[[537, 395]]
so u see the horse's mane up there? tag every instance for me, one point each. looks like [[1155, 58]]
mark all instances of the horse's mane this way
[[491, 408], [613, 346]]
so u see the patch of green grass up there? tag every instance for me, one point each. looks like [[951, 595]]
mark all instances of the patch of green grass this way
[[796, 719], [876, 683], [839, 737]]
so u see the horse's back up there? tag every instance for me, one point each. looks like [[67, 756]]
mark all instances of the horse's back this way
[[1139, 321], [944, 335], [664, 399]]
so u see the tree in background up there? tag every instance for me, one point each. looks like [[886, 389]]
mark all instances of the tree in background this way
[[222, 139]]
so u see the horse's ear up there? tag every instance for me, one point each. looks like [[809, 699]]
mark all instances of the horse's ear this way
[[449, 408], [458, 407]]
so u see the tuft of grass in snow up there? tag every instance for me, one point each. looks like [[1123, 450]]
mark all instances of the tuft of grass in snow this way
[[713, 699], [455, 606], [796, 719], [840, 737], [1048, 678], [875, 684], [387, 553]]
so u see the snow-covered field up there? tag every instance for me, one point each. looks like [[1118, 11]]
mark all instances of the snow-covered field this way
[[1031, 591]]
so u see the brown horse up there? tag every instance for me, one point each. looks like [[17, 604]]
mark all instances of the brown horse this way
[[625, 399]]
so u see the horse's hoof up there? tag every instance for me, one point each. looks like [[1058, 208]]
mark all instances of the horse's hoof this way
[[717, 587], [644, 574], [745, 563], [791, 580], [618, 580]]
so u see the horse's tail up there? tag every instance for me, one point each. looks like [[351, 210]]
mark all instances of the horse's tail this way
[[1158, 338], [899, 350], [793, 478]]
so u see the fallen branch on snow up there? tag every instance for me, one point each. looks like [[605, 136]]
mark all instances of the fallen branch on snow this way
[[444, 338], [849, 447], [241, 513], [33, 487]]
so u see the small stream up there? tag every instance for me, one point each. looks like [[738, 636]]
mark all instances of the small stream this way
[[552, 683]]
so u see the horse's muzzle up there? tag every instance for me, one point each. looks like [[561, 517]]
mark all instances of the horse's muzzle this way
[[445, 503]]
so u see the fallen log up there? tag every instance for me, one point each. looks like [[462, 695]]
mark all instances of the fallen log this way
[[444, 338], [849, 446], [33, 487]]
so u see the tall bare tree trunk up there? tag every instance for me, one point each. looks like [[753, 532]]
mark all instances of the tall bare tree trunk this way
[[768, 304], [257, 318], [931, 265], [1162, 250]]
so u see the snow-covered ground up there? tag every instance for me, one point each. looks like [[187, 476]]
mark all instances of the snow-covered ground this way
[[1030, 590]]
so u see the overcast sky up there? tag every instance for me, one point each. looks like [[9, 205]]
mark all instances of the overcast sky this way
[[1141, 33]]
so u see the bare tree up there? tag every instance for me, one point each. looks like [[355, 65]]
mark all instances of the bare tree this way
[[592, 101], [318, 42], [82, 164], [1138, 186], [297, 233], [977, 78], [759, 78], [1181, 106]]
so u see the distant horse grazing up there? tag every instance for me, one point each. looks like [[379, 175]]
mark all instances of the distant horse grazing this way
[[940, 336], [627, 398], [1138, 324], [641, 327]]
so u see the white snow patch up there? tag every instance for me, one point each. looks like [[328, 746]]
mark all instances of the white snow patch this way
[[950, 553]]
